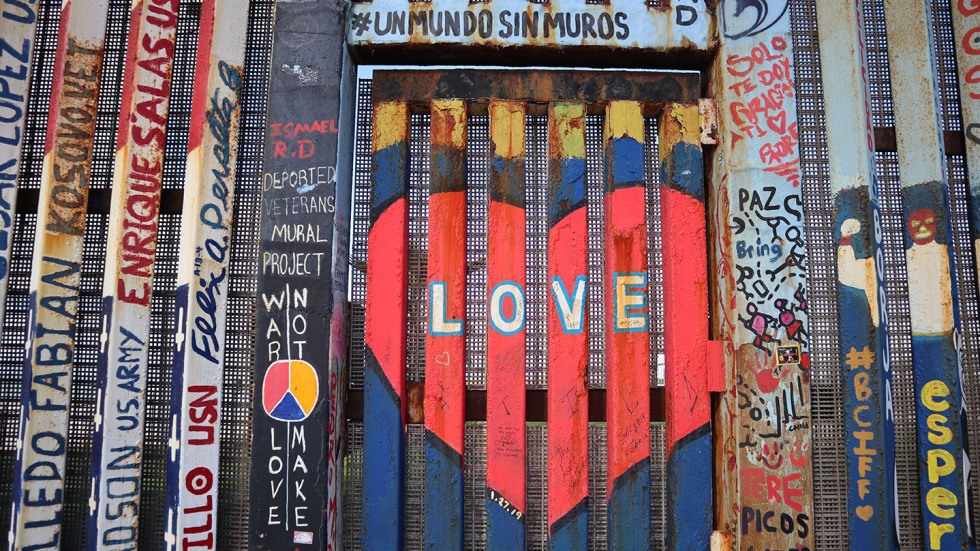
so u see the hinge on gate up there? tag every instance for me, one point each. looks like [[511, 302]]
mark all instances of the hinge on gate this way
[[716, 367], [709, 121]]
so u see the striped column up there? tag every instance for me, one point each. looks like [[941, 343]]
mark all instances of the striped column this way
[[386, 334], [627, 331], [568, 340], [128, 281], [689, 488], [445, 343], [933, 304], [56, 276], [868, 422], [506, 360], [18, 24], [202, 278]]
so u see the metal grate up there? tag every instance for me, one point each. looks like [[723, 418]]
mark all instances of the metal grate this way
[[360, 224], [418, 245], [655, 261], [475, 486], [537, 486], [477, 205], [536, 291], [352, 486], [900, 348], [829, 470], [879, 77], [945, 53]]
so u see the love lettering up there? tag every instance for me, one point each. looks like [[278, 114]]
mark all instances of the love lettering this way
[[508, 305]]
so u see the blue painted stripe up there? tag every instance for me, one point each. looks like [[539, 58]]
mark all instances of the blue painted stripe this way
[[626, 163], [628, 525], [390, 177], [689, 495], [383, 496], [504, 530], [683, 170], [571, 532], [443, 495], [569, 195]]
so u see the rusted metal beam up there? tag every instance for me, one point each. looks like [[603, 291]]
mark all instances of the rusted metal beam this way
[[18, 24], [117, 447], [202, 277], [386, 334], [568, 338], [763, 471], [506, 359], [685, 261], [864, 351], [445, 343], [39, 472], [933, 306], [543, 85], [627, 329]]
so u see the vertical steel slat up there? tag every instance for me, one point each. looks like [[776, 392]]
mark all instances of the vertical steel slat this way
[[568, 339], [117, 446], [39, 472], [933, 306], [445, 347], [18, 25], [689, 499], [868, 417], [202, 278], [506, 354], [763, 432], [386, 333], [627, 330], [966, 37]]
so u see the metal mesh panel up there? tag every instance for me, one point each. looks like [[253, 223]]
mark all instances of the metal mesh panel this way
[[595, 168], [477, 204], [475, 486], [536, 200], [658, 486], [414, 486], [537, 487], [598, 473], [360, 224], [352, 486], [879, 77], [418, 244], [655, 261], [829, 471], [900, 347], [969, 304]]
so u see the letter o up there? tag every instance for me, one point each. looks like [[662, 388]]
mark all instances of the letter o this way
[[59, 444], [199, 480], [501, 323]]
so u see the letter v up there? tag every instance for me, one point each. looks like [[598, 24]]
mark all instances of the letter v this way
[[571, 316]]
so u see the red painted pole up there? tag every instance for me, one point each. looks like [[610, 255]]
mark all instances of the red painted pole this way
[[445, 346], [506, 359], [568, 341]]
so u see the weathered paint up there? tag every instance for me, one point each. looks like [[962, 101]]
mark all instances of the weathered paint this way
[[689, 488], [18, 23], [386, 334], [763, 472], [506, 360], [514, 23], [944, 473], [966, 37], [128, 281], [445, 343], [39, 472], [865, 361], [568, 338], [202, 277], [294, 472], [627, 330]]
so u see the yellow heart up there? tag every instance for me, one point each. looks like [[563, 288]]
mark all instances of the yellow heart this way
[[865, 512]]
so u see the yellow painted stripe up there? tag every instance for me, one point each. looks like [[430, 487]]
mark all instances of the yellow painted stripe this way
[[684, 125], [624, 119], [390, 124], [507, 128], [569, 128], [449, 123]]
